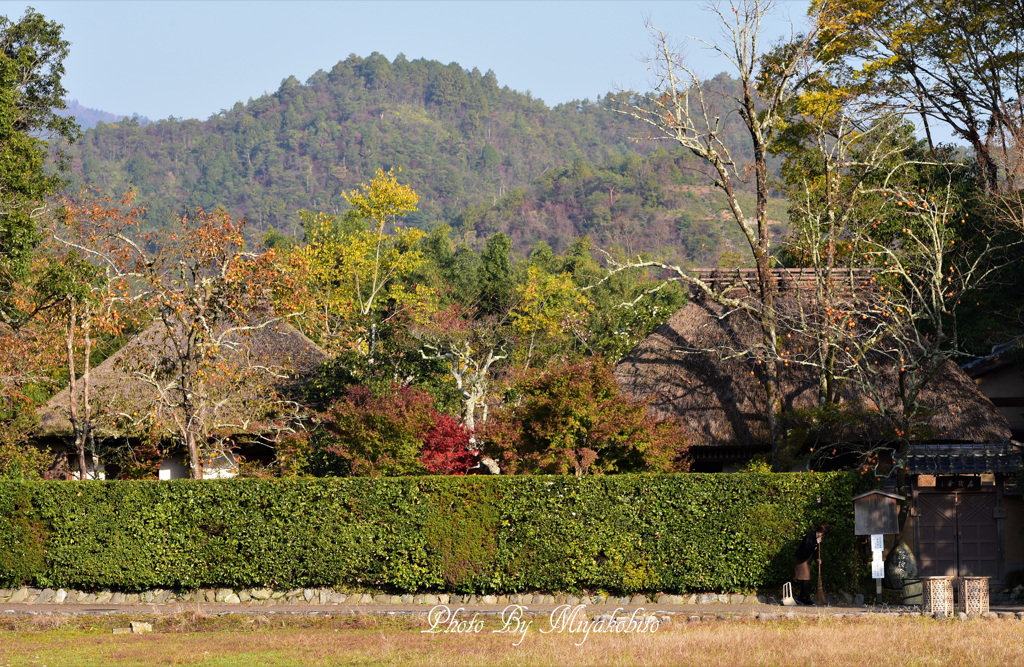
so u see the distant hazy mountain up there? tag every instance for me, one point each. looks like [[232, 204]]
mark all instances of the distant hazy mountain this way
[[88, 118]]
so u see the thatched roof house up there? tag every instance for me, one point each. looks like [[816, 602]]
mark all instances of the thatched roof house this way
[[282, 356], [720, 399]]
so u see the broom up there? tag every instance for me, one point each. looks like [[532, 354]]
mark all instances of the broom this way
[[819, 598]]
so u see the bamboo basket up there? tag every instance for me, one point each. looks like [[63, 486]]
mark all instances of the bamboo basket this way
[[938, 595], [973, 595]]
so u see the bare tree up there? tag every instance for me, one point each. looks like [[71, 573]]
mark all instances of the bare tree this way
[[923, 281], [839, 158], [682, 109], [884, 336]]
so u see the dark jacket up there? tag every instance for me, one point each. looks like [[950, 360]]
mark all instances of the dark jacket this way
[[808, 548]]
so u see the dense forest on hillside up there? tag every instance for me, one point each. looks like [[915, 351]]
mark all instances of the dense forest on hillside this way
[[657, 204], [482, 157]]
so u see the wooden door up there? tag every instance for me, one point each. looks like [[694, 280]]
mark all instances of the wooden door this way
[[957, 535], [936, 534], [979, 553]]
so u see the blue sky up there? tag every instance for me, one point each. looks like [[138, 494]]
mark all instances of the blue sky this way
[[191, 59]]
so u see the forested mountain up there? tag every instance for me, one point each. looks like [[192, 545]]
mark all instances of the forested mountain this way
[[482, 157]]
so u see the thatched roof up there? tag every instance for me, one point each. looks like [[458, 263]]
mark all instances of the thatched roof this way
[[277, 358], [721, 401]]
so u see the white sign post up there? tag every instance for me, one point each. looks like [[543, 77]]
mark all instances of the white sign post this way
[[875, 515], [877, 564]]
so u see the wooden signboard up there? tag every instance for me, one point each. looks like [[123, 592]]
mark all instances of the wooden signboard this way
[[958, 483], [876, 513]]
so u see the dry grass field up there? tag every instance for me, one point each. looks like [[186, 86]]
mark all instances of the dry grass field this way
[[240, 640]]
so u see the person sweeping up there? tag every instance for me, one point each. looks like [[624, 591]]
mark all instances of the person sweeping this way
[[810, 547]]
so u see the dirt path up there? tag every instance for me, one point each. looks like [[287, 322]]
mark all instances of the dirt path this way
[[702, 610]]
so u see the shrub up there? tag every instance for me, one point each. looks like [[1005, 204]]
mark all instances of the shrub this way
[[22, 535], [570, 418], [397, 433], [380, 435], [292, 454], [20, 460], [446, 448], [693, 532]]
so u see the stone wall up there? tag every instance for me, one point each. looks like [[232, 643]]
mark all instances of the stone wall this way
[[326, 596]]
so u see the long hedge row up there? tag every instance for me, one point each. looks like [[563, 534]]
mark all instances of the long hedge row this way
[[625, 533]]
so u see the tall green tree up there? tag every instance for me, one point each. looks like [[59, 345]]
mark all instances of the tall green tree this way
[[32, 53], [497, 288], [355, 268]]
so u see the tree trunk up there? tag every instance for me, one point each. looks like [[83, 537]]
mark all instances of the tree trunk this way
[[469, 411], [195, 466], [901, 489], [76, 423], [83, 469], [490, 464], [769, 323], [85, 436]]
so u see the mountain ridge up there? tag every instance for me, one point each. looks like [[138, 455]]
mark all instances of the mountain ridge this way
[[476, 152]]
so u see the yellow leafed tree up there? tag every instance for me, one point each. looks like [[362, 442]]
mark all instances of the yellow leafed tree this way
[[355, 265], [550, 315]]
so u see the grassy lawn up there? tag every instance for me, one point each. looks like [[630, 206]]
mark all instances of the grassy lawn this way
[[237, 640]]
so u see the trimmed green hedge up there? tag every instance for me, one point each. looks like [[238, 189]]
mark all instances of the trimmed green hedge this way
[[621, 533]]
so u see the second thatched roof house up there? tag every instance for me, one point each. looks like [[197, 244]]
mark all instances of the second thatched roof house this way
[[962, 466], [694, 368], [1000, 376]]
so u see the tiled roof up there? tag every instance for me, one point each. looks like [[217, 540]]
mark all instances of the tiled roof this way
[[964, 459], [1000, 356]]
